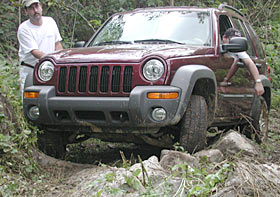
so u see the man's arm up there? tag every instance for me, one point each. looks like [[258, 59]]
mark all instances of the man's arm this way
[[37, 53], [232, 71], [255, 73], [58, 46]]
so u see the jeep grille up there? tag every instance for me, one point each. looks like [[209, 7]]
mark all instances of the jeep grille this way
[[94, 79]]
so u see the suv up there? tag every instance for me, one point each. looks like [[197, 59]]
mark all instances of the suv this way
[[149, 76]]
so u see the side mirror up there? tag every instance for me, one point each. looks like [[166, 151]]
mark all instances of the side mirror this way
[[236, 44], [79, 44]]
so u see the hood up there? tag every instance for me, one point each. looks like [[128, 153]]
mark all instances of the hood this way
[[126, 53]]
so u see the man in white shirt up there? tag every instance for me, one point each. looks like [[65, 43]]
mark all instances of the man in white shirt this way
[[37, 36], [231, 32]]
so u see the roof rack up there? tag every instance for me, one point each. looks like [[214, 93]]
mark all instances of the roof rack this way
[[224, 5]]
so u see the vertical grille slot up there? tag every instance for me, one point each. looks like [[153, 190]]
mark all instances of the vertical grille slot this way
[[93, 79], [72, 79], [83, 79], [62, 79], [116, 78], [104, 80], [127, 79]]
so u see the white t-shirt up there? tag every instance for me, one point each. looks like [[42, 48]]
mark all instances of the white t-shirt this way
[[41, 37], [240, 55]]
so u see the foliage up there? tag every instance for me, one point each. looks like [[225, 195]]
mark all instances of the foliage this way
[[193, 181], [8, 30], [276, 99], [271, 40], [200, 182], [17, 167], [272, 48]]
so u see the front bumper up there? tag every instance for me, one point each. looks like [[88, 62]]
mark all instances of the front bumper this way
[[133, 111]]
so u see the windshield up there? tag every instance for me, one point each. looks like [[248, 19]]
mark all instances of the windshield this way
[[176, 27]]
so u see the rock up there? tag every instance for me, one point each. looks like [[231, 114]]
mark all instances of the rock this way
[[271, 172], [111, 145], [212, 155], [226, 192], [170, 158], [234, 143], [158, 177], [104, 181], [152, 169], [53, 163], [248, 179]]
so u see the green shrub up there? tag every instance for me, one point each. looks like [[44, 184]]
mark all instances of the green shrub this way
[[272, 50], [275, 102], [17, 166]]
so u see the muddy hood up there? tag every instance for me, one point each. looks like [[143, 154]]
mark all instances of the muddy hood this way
[[126, 53]]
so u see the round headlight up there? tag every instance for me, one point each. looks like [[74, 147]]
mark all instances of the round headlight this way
[[46, 70], [159, 114], [153, 70], [34, 112]]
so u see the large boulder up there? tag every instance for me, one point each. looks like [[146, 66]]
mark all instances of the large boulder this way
[[170, 158], [149, 169], [103, 181], [234, 143]]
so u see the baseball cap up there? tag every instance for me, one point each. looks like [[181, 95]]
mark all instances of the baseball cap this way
[[27, 3]]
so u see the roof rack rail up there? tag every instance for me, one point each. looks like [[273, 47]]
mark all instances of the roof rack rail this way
[[224, 5]]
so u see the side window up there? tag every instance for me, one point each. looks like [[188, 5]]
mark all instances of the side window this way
[[241, 27], [224, 24], [256, 39]]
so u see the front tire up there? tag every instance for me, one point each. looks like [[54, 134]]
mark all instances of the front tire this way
[[194, 125]]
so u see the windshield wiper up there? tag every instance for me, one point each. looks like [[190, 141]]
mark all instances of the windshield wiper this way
[[113, 42], [158, 41]]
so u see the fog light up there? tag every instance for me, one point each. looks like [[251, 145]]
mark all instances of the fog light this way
[[159, 114], [34, 112]]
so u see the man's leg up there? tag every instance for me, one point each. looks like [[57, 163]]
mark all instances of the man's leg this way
[[24, 71]]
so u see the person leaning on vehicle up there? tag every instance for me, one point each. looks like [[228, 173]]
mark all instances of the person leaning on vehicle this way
[[230, 33], [37, 36]]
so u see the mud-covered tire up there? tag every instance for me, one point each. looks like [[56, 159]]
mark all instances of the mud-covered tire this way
[[52, 143], [260, 121], [193, 126]]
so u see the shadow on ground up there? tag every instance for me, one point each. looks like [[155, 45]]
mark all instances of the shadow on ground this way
[[94, 151]]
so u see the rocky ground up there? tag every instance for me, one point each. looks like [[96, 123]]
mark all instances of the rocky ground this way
[[96, 168]]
